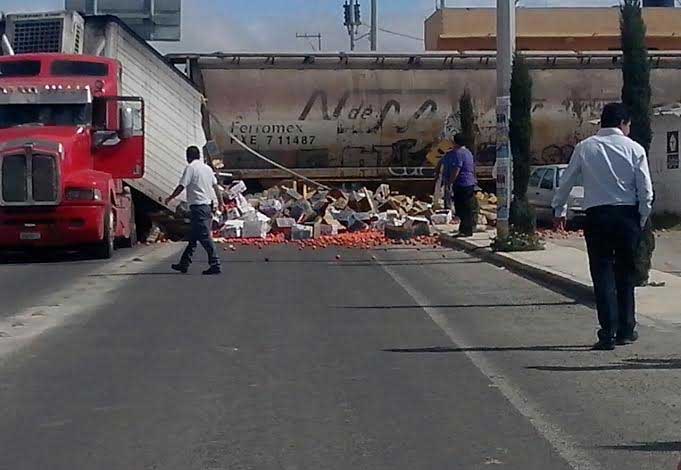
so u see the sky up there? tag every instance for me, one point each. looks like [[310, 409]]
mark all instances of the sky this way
[[271, 25]]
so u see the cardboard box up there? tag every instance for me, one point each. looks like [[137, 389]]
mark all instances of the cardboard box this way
[[284, 223], [243, 205], [419, 225], [255, 229], [442, 217], [328, 230], [302, 211], [302, 232], [271, 207], [232, 229], [382, 193], [236, 189]]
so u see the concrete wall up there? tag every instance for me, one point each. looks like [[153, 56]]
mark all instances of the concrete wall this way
[[581, 29]]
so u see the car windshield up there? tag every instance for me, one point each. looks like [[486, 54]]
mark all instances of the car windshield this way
[[15, 115], [560, 178]]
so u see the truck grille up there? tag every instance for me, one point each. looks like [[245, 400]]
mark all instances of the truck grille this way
[[14, 181], [29, 179], [44, 178]]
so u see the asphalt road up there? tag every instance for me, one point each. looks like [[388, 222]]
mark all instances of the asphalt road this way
[[415, 360]]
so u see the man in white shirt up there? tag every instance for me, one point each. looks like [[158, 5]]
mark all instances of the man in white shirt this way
[[202, 189], [618, 198]]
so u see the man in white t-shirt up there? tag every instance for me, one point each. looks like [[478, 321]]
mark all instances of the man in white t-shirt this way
[[202, 189]]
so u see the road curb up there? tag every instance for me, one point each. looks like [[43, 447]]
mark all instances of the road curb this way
[[546, 277]]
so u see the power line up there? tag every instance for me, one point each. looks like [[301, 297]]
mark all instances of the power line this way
[[408, 36]]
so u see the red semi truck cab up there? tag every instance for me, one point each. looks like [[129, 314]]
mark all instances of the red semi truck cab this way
[[67, 142]]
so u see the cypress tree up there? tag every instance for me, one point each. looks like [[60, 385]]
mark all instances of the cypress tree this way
[[467, 119], [523, 219], [636, 95]]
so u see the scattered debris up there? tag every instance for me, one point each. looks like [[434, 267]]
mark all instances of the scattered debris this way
[[321, 218], [363, 240], [550, 234]]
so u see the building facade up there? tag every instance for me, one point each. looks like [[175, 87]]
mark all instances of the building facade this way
[[549, 29]]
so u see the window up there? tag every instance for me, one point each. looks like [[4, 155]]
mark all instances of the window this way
[[69, 68], [536, 177], [15, 115], [549, 179], [24, 68]]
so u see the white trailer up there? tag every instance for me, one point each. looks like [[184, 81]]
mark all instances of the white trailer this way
[[173, 103]]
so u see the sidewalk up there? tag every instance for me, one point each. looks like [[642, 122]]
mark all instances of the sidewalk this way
[[566, 269], [667, 256]]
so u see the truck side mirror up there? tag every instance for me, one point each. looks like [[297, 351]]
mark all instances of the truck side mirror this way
[[127, 120]]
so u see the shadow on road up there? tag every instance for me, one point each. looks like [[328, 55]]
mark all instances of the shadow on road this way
[[461, 306], [46, 257], [657, 446], [437, 349], [627, 364], [167, 273]]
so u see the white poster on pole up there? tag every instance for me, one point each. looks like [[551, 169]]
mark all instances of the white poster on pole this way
[[504, 161]]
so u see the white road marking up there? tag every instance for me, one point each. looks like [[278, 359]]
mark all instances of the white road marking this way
[[82, 296], [565, 445]]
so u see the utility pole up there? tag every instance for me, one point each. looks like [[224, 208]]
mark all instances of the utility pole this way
[[352, 16], [374, 24], [506, 39], [317, 36]]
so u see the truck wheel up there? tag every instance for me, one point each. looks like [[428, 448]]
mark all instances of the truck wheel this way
[[132, 240], [105, 248]]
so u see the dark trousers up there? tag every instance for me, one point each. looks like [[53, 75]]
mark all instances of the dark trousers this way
[[463, 205], [201, 228], [448, 197], [612, 236]]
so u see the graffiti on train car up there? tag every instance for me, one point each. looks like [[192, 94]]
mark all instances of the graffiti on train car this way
[[365, 111], [405, 131]]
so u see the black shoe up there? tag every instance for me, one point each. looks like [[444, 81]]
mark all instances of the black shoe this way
[[180, 268], [604, 346], [624, 340], [212, 271]]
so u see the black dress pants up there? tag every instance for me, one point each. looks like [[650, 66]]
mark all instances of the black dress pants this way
[[612, 236]]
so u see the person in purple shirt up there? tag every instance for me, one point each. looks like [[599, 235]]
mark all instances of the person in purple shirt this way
[[459, 175]]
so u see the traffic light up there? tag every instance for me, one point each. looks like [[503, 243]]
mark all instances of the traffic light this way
[[358, 15], [347, 14]]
